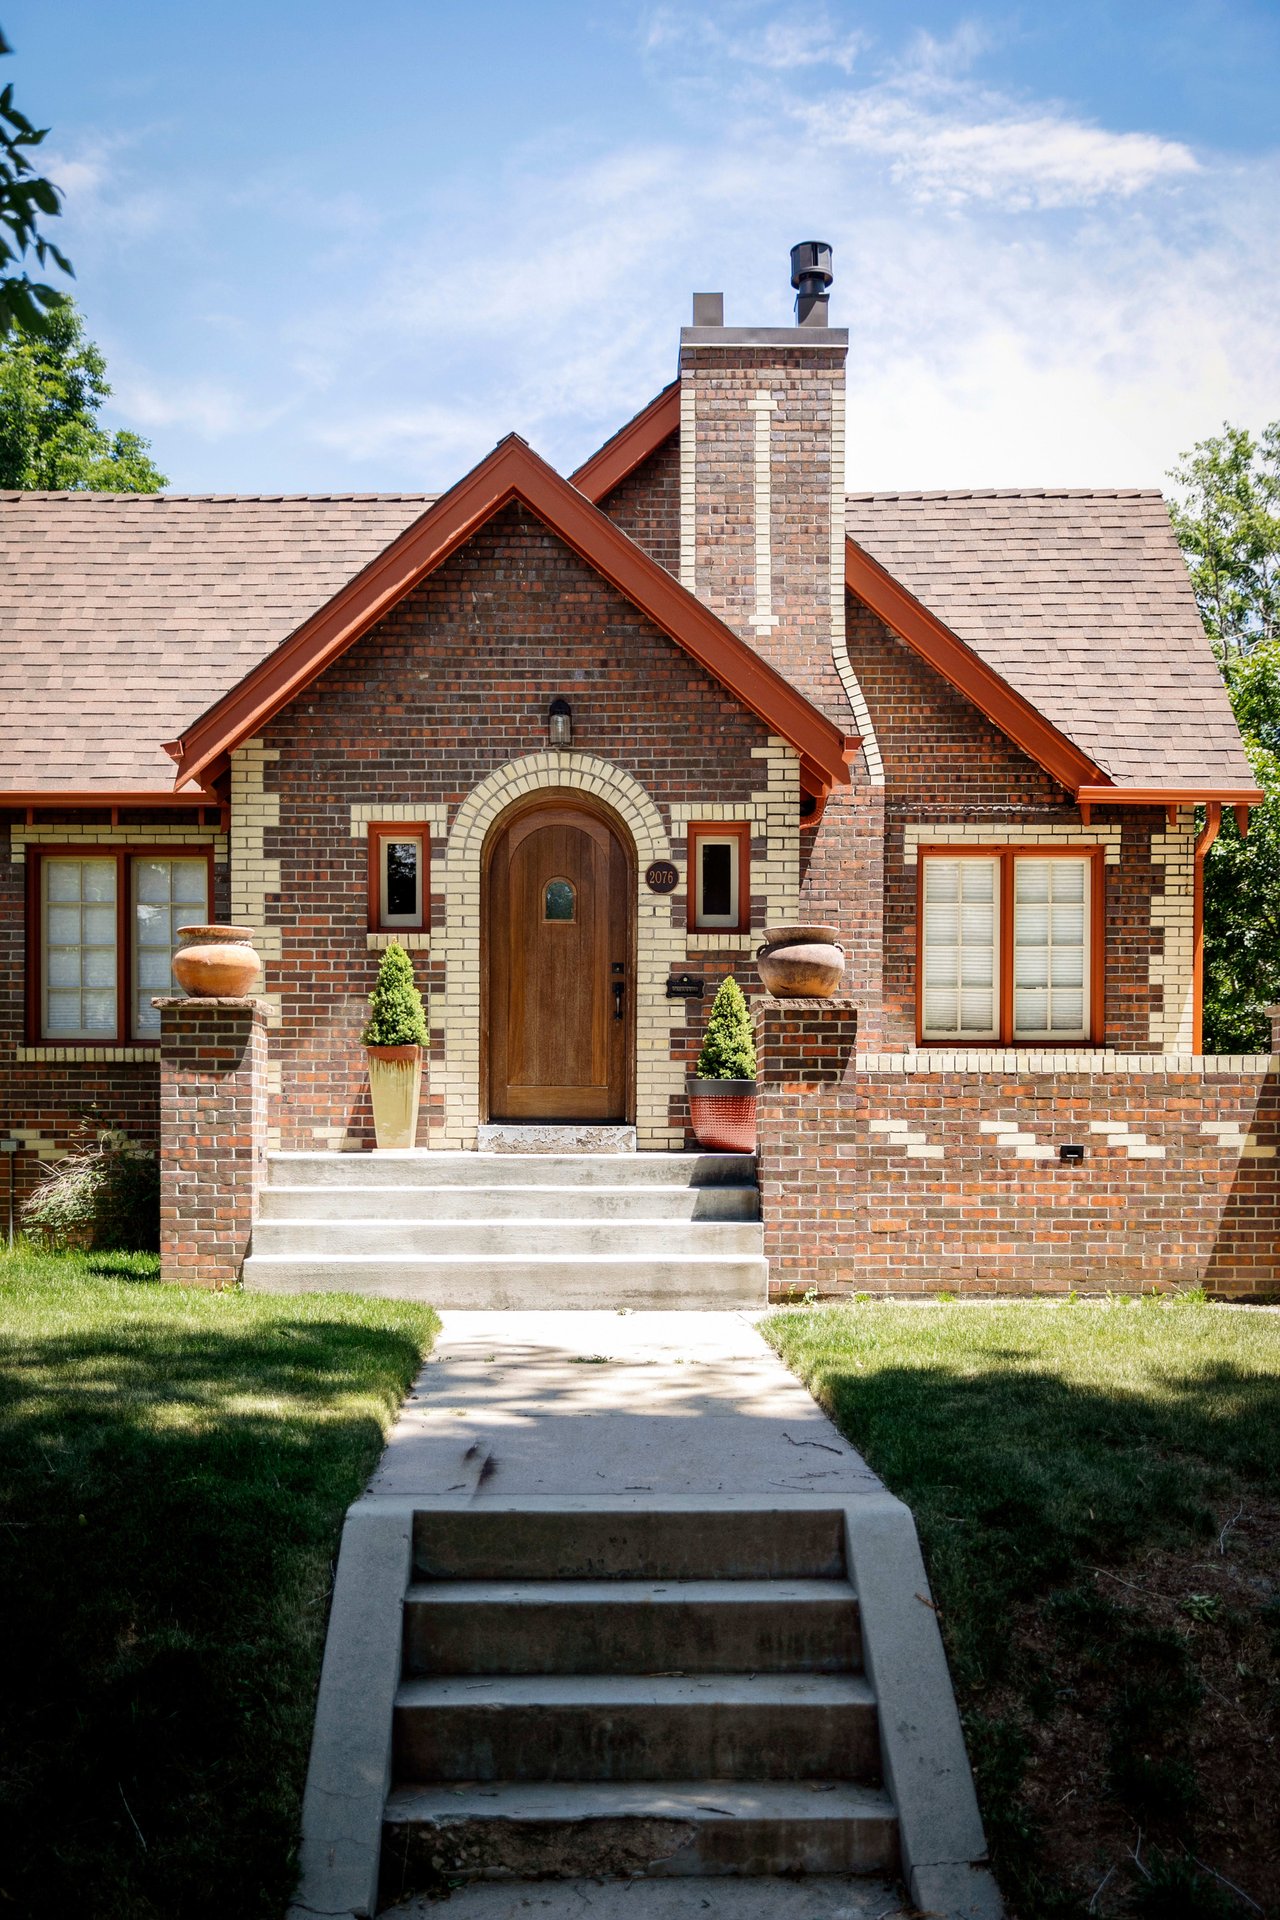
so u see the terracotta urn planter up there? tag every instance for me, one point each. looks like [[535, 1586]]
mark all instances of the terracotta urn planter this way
[[723, 1113], [801, 963], [395, 1085], [216, 963]]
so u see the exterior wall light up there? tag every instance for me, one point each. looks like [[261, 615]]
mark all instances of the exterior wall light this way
[[1071, 1152], [560, 724]]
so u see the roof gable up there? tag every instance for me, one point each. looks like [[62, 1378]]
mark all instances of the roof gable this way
[[514, 471]]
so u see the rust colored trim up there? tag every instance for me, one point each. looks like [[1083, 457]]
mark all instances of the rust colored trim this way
[[514, 471], [1116, 796], [1006, 855], [948, 655], [1204, 840], [57, 798], [630, 447], [700, 830], [380, 830]]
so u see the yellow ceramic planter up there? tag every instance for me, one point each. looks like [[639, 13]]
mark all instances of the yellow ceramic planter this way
[[395, 1083]]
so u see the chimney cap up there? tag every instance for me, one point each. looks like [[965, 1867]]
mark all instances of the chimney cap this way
[[811, 261]]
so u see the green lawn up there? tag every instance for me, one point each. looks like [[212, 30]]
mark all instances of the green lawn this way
[[1097, 1488], [174, 1467]]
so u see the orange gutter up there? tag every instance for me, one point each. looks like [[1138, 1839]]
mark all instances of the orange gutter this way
[[105, 797], [630, 447], [1204, 840], [948, 655], [513, 471]]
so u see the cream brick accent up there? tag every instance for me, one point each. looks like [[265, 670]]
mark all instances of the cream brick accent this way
[[688, 494], [20, 837], [428, 813], [411, 939], [253, 876], [839, 637], [275, 1087], [761, 406], [1118, 1133], [774, 814], [967, 833], [660, 941], [897, 1133], [1172, 1025], [86, 1055], [1233, 1138], [1086, 1060], [43, 1145]]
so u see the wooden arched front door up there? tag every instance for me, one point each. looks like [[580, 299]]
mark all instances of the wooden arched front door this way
[[560, 974]]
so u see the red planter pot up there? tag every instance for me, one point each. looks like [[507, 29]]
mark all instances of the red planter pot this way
[[723, 1113]]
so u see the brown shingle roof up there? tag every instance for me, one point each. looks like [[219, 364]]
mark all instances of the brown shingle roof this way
[[1082, 602], [123, 616]]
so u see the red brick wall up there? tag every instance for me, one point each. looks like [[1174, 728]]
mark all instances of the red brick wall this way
[[882, 1181], [57, 1098], [452, 685], [647, 505], [213, 1121]]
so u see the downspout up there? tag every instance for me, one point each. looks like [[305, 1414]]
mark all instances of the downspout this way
[[1204, 840]]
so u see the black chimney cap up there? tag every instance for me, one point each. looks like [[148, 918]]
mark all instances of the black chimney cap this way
[[811, 261]]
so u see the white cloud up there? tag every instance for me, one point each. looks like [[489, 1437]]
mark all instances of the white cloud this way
[[796, 38]]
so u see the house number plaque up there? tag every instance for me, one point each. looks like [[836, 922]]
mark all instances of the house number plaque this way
[[683, 986], [661, 876]]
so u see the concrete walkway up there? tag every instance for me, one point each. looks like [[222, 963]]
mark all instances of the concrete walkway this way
[[526, 1404], [602, 1403]]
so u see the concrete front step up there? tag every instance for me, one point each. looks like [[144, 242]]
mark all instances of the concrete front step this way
[[668, 1829], [499, 1282], [631, 1626], [419, 1168], [534, 1238], [561, 1727], [643, 1202], [526, 1544]]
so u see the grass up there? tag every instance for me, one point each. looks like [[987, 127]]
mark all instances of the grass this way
[[174, 1467], [1097, 1489]]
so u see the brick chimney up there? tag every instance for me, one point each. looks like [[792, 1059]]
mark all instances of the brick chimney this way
[[762, 478]]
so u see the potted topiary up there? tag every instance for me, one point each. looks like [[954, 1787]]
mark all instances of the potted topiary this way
[[722, 1093], [395, 1037]]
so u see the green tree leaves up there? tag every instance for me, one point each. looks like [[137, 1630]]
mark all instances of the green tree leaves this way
[[52, 385], [1228, 524], [396, 1015], [24, 197], [728, 1049]]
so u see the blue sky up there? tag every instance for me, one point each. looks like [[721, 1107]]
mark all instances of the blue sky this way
[[336, 247]]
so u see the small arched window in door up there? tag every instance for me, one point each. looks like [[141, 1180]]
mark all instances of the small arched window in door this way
[[560, 901]]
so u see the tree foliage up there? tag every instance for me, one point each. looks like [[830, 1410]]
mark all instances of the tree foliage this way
[[728, 1049], [52, 385], [1228, 524], [396, 1015], [24, 197]]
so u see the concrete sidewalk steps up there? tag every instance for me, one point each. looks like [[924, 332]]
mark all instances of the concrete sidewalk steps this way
[[504, 1282], [620, 1626], [646, 1202], [535, 1238], [417, 1168], [640, 1691]]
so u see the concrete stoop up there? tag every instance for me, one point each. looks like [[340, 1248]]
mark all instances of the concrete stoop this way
[[559, 1689], [508, 1229]]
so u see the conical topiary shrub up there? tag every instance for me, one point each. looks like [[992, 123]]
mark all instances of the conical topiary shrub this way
[[396, 1016], [722, 1093], [395, 1035], [728, 1049]]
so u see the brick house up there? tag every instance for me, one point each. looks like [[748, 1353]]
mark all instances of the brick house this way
[[971, 729]]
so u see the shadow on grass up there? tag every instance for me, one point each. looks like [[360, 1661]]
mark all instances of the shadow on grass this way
[[172, 1484]]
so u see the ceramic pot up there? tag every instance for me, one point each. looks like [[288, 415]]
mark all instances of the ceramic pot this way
[[216, 963], [801, 963], [395, 1083], [723, 1113]]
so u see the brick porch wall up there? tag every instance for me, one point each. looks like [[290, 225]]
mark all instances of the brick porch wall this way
[[213, 1136], [918, 1173]]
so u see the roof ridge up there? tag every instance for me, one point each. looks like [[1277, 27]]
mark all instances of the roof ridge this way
[[165, 499], [1009, 493]]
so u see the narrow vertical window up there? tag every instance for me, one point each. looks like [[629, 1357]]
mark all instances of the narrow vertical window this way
[[719, 859], [1050, 949], [78, 941], [167, 894], [961, 908], [398, 866]]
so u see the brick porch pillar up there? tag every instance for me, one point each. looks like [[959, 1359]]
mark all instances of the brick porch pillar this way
[[213, 1136], [806, 1052]]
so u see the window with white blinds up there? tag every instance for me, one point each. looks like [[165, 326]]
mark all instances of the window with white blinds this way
[[961, 941], [1024, 981]]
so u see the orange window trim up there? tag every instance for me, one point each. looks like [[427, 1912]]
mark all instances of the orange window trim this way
[[123, 857], [1006, 855], [380, 830], [739, 830]]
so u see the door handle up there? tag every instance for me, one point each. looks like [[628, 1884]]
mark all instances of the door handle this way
[[617, 999]]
